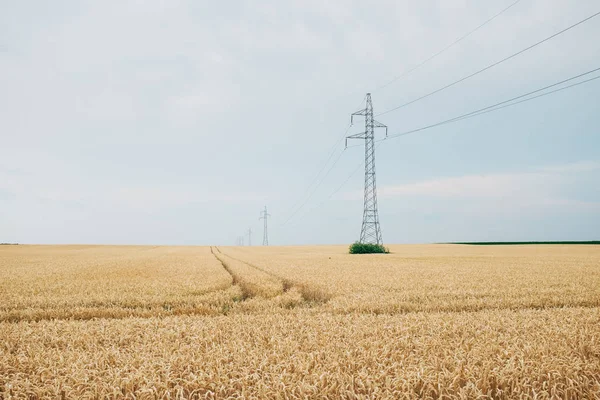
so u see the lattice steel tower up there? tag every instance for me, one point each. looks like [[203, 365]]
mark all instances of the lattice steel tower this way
[[370, 232], [264, 215]]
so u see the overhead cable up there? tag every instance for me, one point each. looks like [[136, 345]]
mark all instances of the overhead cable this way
[[491, 65]]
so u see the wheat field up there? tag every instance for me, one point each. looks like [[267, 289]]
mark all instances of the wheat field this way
[[427, 321]]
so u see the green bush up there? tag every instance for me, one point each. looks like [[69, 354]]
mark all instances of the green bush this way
[[367, 248]]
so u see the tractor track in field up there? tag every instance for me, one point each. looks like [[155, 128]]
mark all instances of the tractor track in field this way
[[309, 293], [236, 280]]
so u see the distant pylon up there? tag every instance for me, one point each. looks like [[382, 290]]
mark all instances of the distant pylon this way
[[370, 232], [249, 236], [264, 215]]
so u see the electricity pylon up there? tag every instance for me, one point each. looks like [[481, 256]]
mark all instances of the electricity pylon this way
[[264, 215], [249, 236], [370, 232]]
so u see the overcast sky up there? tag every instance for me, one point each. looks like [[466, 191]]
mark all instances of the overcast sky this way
[[174, 122]]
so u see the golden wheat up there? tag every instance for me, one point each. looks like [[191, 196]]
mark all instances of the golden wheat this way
[[44, 282], [440, 277], [427, 322]]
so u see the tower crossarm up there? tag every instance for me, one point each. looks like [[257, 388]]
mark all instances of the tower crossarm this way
[[377, 124], [361, 135], [360, 112]]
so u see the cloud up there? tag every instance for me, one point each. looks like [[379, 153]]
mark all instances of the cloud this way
[[149, 199], [547, 187], [122, 198], [582, 166], [59, 185], [476, 186], [542, 181]]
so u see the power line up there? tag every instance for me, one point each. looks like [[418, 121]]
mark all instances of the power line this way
[[534, 97], [314, 189], [358, 167], [460, 39], [485, 110], [332, 150], [331, 153], [468, 115], [294, 208], [494, 107], [492, 65]]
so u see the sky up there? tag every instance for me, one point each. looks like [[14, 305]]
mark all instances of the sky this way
[[176, 122]]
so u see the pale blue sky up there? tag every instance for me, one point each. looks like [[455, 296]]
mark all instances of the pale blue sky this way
[[175, 122]]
